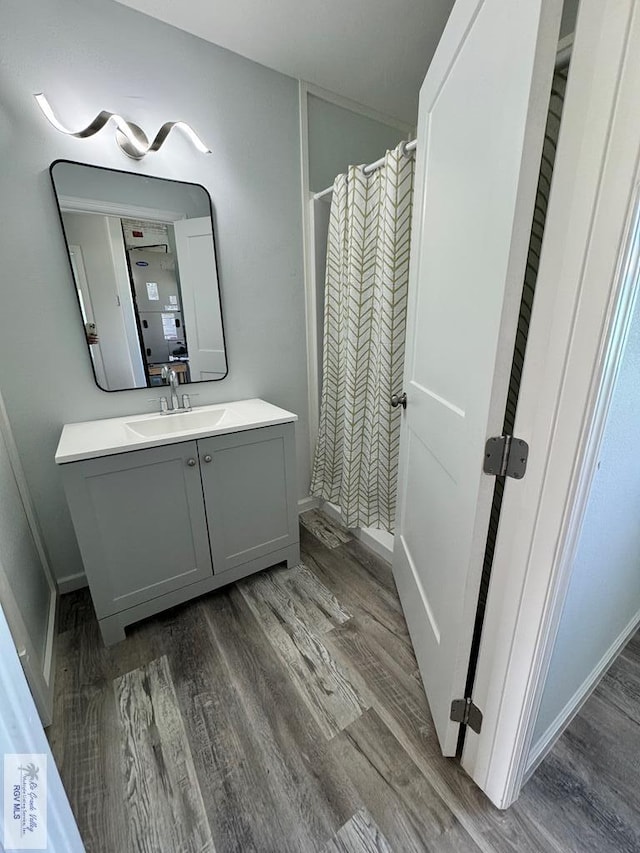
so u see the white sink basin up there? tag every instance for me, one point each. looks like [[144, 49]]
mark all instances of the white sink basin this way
[[182, 422], [92, 439]]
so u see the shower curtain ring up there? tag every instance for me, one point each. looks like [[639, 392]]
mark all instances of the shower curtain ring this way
[[403, 149]]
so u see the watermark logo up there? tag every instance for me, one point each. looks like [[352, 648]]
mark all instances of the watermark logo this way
[[25, 801]]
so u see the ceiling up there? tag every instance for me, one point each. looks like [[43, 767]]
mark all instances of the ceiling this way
[[375, 52]]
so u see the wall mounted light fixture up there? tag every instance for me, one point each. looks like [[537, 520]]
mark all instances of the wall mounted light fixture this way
[[131, 138]]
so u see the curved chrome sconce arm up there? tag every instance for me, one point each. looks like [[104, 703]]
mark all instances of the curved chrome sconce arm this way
[[130, 138]]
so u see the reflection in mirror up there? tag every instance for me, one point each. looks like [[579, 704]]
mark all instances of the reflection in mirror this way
[[142, 254]]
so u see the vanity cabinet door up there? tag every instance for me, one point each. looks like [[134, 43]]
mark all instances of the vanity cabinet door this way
[[140, 522], [249, 487]]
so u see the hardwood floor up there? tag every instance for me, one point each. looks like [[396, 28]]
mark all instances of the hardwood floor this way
[[286, 713]]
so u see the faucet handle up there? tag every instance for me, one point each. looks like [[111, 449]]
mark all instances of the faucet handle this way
[[186, 400]]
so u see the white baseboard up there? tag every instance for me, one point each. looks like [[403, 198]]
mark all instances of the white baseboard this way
[[541, 749], [332, 511], [305, 504], [69, 583], [379, 541]]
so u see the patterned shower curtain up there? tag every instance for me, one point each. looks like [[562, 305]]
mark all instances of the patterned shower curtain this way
[[356, 460]]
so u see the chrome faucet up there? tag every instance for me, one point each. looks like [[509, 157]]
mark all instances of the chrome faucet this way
[[172, 376], [173, 405]]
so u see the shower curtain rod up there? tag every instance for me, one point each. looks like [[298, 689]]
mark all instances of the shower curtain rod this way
[[408, 149]]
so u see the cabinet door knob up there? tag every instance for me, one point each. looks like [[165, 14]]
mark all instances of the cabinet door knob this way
[[208, 457], [191, 463]]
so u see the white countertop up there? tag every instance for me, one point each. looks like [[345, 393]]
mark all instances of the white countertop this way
[[91, 439]]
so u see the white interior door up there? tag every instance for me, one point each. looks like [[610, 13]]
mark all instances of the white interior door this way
[[200, 299], [481, 122]]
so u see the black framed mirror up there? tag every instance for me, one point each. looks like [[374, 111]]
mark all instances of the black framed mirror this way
[[143, 262]]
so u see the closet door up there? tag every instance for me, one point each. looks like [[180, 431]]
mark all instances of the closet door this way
[[481, 123]]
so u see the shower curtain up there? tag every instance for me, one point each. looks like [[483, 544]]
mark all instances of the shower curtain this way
[[367, 269]]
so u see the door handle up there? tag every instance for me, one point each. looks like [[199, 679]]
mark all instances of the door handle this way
[[191, 463], [207, 457], [399, 400]]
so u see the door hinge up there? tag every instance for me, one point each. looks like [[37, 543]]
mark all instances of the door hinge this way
[[506, 456], [465, 712]]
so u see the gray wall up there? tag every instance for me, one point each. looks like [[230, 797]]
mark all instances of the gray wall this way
[[88, 55], [604, 592], [339, 138]]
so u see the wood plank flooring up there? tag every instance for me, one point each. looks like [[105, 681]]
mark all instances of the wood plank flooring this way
[[160, 778], [360, 833], [286, 713], [325, 529]]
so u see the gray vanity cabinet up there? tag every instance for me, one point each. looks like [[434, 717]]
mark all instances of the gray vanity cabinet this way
[[159, 526], [140, 523], [247, 483]]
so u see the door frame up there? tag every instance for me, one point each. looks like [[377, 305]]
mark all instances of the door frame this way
[[21, 732], [81, 282], [581, 309]]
